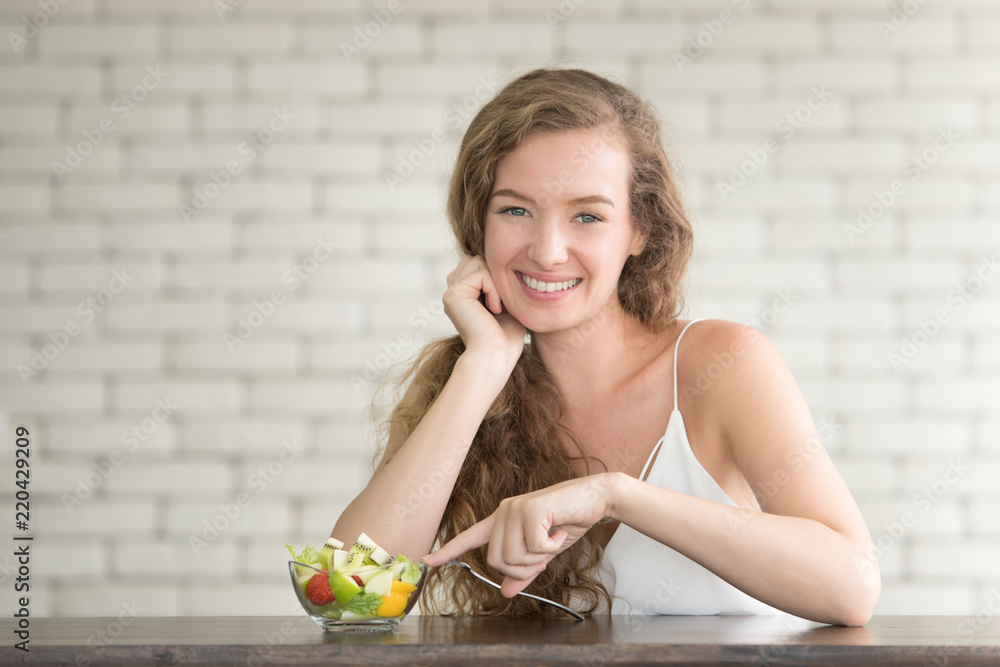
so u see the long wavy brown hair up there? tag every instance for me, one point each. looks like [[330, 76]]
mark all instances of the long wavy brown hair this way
[[519, 446]]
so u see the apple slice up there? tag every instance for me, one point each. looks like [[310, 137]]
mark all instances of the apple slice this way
[[380, 584]]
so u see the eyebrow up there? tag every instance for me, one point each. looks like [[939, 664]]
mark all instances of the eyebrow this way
[[589, 199]]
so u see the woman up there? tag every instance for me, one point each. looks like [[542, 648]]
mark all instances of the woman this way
[[539, 462]]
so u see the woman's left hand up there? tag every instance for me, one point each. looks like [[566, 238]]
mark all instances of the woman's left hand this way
[[526, 532]]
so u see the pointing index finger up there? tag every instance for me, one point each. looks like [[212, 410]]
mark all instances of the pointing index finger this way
[[475, 536]]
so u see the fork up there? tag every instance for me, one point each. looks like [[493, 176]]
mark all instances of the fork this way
[[527, 595]]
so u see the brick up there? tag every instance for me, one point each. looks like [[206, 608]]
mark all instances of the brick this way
[[887, 519], [860, 396], [168, 316], [752, 33], [182, 79], [784, 194], [892, 274], [24, 198], [369, 276], [776, 116], [55, 81], [252, 355], [412, 237], [926, 197], [146, 120], [87, 599], [418, 316], [984, 517], [51, 398], [51, 238], [241, 119], [626, 35], [821, 233], [958, 394], [336, 441], [705, 75], [909, 597], [38, 317], [243, 598], [75, 438], [378, 197], [260, 517], [92, 277], [496, 38], [680, 116], [96, 517], [268, 236], [981, 34], [236, 38], [774, 274], [137, 41], [313, 315], [22, 122], [961, 558], [78, 557], [256, 196], [975, 312], [14, 279], [986, 354], [441, 79], [215, 434], [121, 197], [841, 155], [332, 158], [844, 73], [306, 479], [304, 396], [955, 234], [17, 160], [168, 558], [109, 356], [165, 477], [378, 118], [248, 276], [400, 38], [190, 395], [920, 35], [964, 74], [308, 78], [922, 115], [205, 236]]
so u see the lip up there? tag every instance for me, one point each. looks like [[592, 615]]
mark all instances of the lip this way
[[548, 278]]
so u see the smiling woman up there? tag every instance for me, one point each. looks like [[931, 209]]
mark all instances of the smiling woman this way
[[531, 459]]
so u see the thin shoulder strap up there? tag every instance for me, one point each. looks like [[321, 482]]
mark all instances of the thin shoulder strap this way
[[677, 345], [642, 475]]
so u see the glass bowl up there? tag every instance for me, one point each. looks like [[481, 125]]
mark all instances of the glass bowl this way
[[328, 616]]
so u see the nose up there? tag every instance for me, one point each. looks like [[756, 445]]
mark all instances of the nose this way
[[548, 244]]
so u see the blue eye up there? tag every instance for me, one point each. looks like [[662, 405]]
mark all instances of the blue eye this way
[[596, 218], [513, 208]]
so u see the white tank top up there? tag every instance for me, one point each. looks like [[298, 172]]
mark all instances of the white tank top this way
[[651, 576]]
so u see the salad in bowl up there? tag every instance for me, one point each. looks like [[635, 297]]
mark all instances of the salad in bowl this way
[[360, 588]]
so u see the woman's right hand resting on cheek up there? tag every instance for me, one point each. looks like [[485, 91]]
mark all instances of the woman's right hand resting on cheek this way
[[490, 330]]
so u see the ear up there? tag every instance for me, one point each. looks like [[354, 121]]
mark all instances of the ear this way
[[638, 243]]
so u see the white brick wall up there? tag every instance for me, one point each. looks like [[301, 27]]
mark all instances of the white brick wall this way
[[323, 177]]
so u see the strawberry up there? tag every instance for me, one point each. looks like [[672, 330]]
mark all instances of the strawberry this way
[[358, 581], [318, 590]]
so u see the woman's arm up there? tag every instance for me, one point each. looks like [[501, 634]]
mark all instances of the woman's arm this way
[[808, 551], [402, 505]]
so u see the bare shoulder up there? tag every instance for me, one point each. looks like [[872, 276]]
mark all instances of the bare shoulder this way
[[719, 353]]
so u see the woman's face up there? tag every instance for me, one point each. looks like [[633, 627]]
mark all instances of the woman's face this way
[[559, 213]]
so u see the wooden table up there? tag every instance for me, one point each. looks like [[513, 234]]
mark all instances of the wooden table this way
[[925, 641]]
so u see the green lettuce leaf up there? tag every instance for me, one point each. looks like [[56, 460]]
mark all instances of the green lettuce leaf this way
[[309, 555], [362, 603]]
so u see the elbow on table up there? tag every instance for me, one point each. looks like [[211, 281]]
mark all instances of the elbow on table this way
[[859, 606]]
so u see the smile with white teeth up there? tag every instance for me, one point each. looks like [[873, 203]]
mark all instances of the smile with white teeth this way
[[539, 286]]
